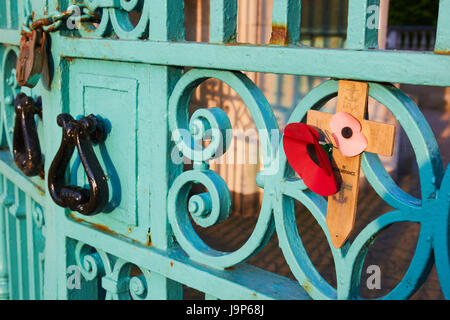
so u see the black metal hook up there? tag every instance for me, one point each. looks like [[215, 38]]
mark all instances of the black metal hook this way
[[81, 134], [26, 146]]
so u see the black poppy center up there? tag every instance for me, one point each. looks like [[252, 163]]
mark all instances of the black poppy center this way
[[313, 154], [347, 132]]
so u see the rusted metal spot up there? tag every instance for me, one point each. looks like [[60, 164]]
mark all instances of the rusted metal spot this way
[[237, 44], [280, 35], [97, 226], [41, 190], [52, 28], [442, 52], [71, 215], [149, 240], [135, 271], [103, 228], [107, 230], [41, 23]]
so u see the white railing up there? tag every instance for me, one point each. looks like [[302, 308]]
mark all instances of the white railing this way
[[418, 38]]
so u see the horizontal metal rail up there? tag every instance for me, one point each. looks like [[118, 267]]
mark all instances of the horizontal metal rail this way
[[175, 264], [369, 65], [9, 170]]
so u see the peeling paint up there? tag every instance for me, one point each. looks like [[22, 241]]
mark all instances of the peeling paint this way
[[307, 286], [41, 190], [442, 52], [149, 240], [102, 228], [107, 230], [96, 226], [280, 35]]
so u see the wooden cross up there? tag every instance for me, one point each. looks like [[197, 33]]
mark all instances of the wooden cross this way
[[341, 210]]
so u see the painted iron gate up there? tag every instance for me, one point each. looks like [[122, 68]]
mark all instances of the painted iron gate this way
[[122, 77]]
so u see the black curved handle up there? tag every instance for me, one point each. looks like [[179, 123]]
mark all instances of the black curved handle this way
[[80, 134], [26, 147]]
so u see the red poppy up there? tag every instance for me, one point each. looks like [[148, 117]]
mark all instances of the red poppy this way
[[347, 134], [300, 142]]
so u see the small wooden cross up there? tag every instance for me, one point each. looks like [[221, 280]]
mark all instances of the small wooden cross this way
[[341, 210]]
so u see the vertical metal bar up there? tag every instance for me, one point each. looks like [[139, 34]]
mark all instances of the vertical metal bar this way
[[19, 213], [33, 267], [363, 24], [20, 12], [3, 15], [41, 273], [19, 245], [24, 8], [55, 254], [223, 20], [6, 200], [286, 19], [14, 14], [443, 28], [167, 20], [8, 14], [11, 251]]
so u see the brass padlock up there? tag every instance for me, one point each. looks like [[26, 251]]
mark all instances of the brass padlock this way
[[32, 55]]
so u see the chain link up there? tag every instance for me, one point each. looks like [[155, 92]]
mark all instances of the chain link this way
[[53, 21]]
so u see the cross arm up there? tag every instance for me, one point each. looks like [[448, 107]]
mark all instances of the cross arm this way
[[380, 136]]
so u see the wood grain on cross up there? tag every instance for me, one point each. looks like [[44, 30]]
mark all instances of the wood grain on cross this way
[[341, 210]]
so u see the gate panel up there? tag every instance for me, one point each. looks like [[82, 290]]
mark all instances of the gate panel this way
[[137, 75], [117, 93], [22, 222]]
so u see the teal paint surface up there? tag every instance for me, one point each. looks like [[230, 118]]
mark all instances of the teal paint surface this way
[[443, 28], [362, 30], [223, 21], [143, 246]]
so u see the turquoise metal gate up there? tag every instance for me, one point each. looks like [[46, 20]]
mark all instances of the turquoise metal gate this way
[[132, 74]]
